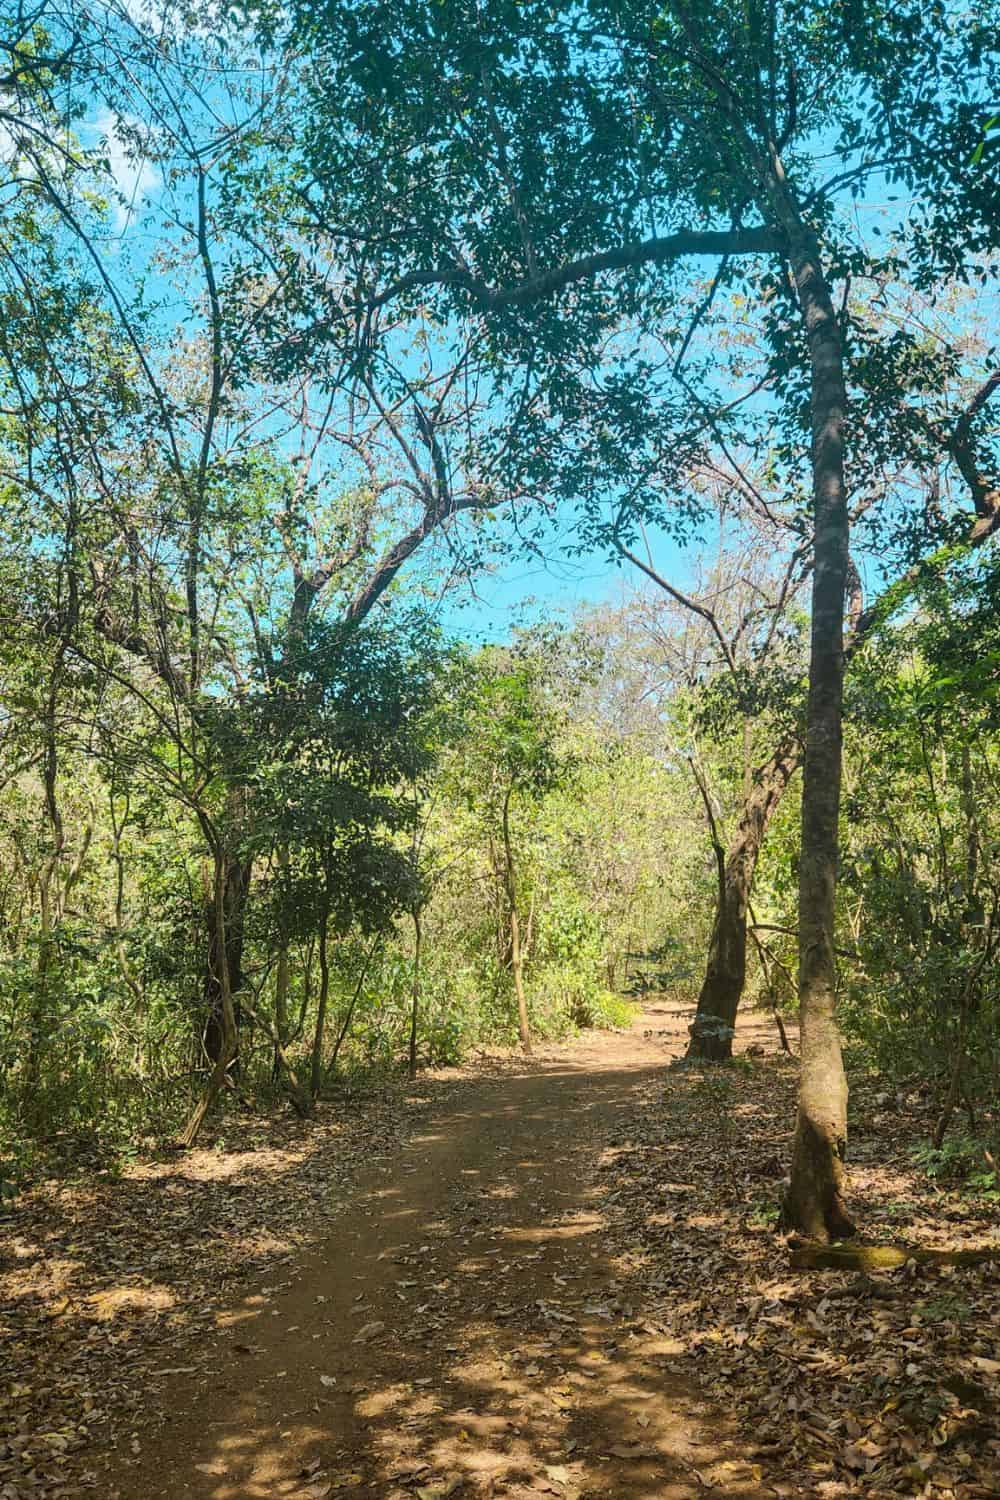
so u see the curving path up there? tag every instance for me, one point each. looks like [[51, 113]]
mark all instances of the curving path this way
[[461, 1330]]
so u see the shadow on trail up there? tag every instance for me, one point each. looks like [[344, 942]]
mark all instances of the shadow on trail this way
[[464, 1322]]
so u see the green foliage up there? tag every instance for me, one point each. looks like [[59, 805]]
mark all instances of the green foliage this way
[[452, 262], [922, 842], [959, 1162]]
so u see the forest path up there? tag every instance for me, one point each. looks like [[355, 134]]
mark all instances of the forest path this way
[[460, 1331]]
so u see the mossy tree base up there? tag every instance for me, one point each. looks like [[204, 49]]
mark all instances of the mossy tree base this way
[[884, 1257]]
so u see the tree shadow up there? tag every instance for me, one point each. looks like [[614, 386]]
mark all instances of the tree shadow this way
[[466, 1321]]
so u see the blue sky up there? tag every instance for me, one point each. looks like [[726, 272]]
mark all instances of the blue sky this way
[[517, 586], [527, 588]]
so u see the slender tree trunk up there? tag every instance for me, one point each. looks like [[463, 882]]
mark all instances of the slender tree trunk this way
[[346, 1026], [316, 1080], [282, 982], [301, 1101], [973, 906], [415, 1000], [228, 1031], [40, 1019], [954, 1091], [281, 985], [49, 891], [725, 975], [48, 881], [121, 951], [307, 988], [224, 963], [280, 1033], [517, 969], [516, 958], [814, 1204]]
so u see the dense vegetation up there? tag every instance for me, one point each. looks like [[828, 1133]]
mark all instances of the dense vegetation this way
[[311, 317]]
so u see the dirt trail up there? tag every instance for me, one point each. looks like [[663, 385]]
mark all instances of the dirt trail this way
[[461, 1323]]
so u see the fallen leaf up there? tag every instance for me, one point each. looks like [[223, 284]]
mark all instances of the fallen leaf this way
[[369, 1331], [442, 1490]]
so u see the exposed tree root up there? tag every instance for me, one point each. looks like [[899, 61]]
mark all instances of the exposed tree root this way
[[884, 1257]]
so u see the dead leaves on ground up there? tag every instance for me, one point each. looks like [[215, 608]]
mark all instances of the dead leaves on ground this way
[[108, 1286], [845, 1385]]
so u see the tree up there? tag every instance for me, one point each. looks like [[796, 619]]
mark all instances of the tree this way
[[347, 735], [511, 760], [741, 653], [695, 131], [920, 849], [375, 468]]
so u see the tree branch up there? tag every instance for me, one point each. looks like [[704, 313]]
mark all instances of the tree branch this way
[[688, 603], [393, 560], [757, 240]]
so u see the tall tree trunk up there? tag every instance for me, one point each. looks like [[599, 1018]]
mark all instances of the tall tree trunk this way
[[516, 957], [415, 998], [725, 975], [814, 1205]]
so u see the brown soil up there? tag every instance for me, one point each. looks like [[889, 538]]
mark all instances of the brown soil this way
[[461, 1330]]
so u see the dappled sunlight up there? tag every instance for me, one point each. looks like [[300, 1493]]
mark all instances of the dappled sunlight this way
[[489, 1338], [554, 1232], [850, 1383], [574, 1289], [110, 1304], [706, 1221], [246, 1314], [110, 1285], [583, 1410]]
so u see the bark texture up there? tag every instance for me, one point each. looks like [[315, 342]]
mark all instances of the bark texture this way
[[814, 1205], [228, 1034], [316, 1071], [224, 964], [725, 975]]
